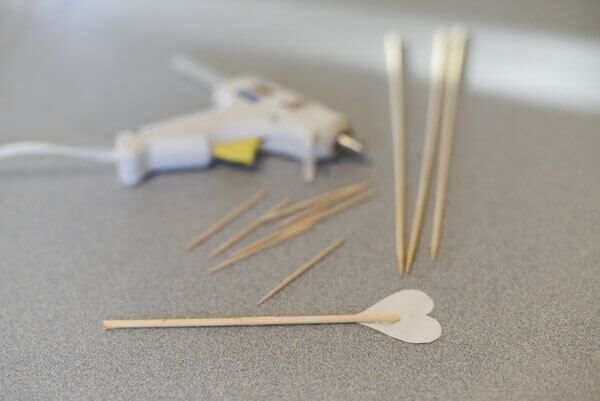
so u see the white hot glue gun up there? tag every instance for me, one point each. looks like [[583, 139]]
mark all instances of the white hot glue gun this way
[[249, 113]]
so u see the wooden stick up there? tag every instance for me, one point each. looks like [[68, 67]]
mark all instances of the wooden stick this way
[[256, 244], [341, 207], [300, 226], [252, 321], [324, 204], [227, 219], [393, 53], [304, 268], [251, 227], [439, 53], [311, 211], [458, 43], [284, 234], [312, 201], [262, 244]]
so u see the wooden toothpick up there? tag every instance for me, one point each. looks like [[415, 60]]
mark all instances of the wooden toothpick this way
[[289, 232], [439, 54], [253, 321], [393, 55], [304, 268], [251, 227], [458, 43], [262, 244], [227, 219], [340, 207], [324, 204], [296, 207], [311, 211]]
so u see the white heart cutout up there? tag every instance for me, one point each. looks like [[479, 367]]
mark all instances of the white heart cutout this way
[[414, 326]]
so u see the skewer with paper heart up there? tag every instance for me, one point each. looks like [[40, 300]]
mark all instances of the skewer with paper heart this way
[[402, 315]]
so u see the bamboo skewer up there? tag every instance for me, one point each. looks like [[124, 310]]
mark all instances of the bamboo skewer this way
[[438, 70], [227, 219], [458, 43], [253, 321], [304, 268], [251, 227], [393, 55], [299, 227]]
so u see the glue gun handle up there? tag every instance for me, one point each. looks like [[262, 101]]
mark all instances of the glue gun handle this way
[[138, 155]]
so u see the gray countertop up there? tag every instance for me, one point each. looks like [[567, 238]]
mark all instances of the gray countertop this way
[[517, 278]]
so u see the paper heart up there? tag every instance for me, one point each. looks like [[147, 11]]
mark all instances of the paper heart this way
[[414, 325]]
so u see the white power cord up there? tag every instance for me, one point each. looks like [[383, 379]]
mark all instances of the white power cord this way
[[47, 148]]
